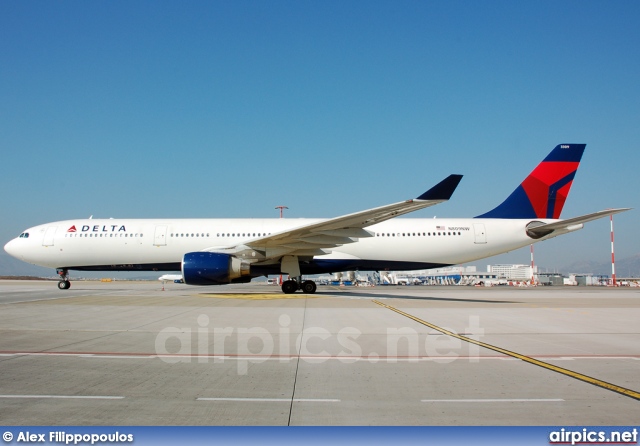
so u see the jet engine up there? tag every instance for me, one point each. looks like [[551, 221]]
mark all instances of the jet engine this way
[[212, 268]]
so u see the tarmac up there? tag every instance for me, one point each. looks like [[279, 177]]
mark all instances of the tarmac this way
[[130, 353]]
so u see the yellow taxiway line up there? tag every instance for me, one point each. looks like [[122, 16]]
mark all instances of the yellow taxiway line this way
[[588, 379]]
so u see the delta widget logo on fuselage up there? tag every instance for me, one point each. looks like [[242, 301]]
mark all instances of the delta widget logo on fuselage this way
[[98, 228]]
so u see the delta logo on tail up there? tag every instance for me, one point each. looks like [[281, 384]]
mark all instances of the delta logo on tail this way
[[543, 193]]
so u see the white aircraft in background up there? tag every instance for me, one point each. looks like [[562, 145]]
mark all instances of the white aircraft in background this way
[[221, 251], [176, 278]]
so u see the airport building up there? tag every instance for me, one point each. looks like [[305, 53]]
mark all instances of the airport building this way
[[513, 272], [500, 274]]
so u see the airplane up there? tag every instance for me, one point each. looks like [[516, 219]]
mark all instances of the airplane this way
[[176, 278], [223, 251]]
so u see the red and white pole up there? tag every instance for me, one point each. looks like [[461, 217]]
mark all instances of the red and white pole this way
[[613, 261], [533, 280], [281, 209]]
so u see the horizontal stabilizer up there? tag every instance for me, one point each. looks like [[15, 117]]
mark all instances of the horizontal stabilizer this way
[[546, 229]]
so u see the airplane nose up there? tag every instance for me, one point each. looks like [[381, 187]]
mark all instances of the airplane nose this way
[[11, 248]]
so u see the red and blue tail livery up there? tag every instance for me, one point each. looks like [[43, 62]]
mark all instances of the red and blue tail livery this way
[[543, 193]]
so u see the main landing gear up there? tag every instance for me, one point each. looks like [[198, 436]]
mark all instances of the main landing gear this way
[[64, 283], [292, 285]]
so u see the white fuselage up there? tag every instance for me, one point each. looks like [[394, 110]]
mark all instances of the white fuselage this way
[[137, 244]]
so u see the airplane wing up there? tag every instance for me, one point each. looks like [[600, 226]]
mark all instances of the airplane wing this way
[[538, 231], [312, 239]]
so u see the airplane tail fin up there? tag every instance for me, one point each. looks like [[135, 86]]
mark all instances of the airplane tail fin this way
[[543, 193]]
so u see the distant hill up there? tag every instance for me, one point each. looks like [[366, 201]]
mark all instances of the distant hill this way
[[14, 267], [10, 267], [629, 266]]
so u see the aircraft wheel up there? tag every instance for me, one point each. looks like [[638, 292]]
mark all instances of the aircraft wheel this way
[[289, 286], [64, 285], [309, 287]]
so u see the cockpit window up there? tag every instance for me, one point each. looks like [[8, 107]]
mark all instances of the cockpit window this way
[[24, 235]]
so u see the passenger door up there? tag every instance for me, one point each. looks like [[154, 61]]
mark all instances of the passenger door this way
[[160, 236], [49, 236], [480, 235]]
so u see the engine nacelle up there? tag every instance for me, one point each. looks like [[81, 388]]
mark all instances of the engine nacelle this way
[[212, 268]]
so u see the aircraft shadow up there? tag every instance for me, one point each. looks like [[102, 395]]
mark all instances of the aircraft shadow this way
[[422, 298]]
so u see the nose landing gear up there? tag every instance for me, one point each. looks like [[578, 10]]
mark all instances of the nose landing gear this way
[[64, 283]]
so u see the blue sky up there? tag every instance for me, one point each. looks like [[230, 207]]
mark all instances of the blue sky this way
[[227, 109]]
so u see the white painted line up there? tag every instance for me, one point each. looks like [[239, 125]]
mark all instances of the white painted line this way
[[66, 397], [499, 400], [272, 400], [287, 358]]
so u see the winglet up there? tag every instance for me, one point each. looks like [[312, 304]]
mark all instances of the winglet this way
[[443, 190]]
